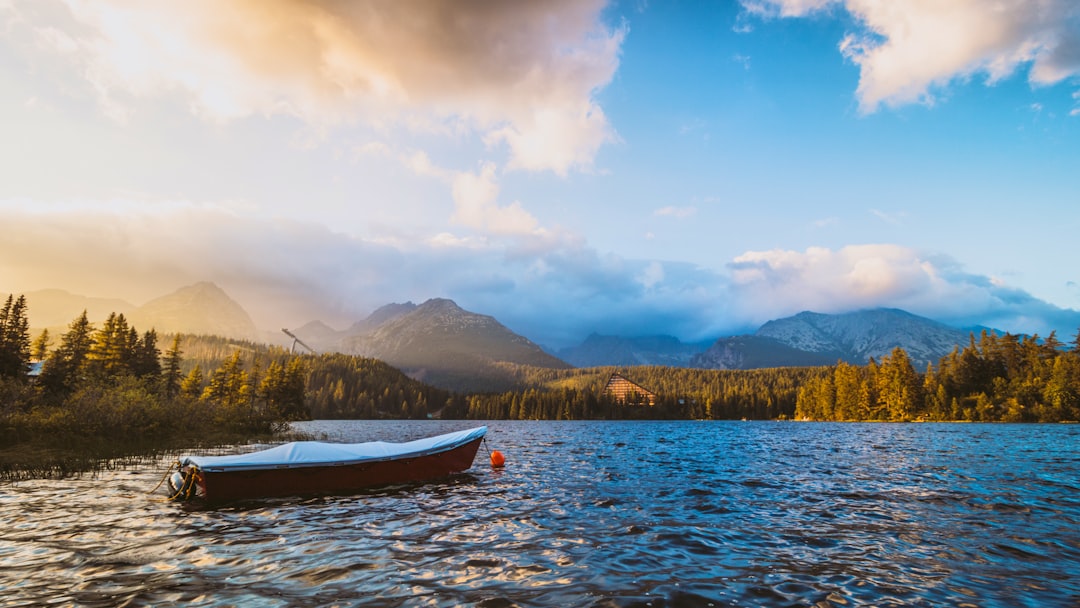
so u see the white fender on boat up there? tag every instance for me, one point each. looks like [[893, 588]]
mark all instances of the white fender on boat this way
[[176, 481]]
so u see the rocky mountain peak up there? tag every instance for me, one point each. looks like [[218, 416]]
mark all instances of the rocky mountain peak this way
[[202, 308], [854, 337]]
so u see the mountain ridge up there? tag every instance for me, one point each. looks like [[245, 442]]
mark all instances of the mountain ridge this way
[[440, 340], [50, 308], [600, 350], [854, 337], [200, 308], [443, 344]]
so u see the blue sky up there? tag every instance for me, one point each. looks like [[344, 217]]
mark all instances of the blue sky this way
[[686, 168]]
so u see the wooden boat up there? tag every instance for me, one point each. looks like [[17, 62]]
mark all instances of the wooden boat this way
[[313, 467]]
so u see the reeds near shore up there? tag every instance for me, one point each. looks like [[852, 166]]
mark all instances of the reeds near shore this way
[[65, 457], [102, 426]]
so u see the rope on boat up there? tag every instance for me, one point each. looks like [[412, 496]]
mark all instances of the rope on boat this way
[[166, 476], [187, 489]]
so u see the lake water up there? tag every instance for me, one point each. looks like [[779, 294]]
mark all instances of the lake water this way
[[593, 514]]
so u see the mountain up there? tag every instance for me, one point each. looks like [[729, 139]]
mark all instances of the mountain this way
[[56, 308], [755, 352], [324, 338], [381, 315], [202, 308], [599, 350], [857, 336], [316, 334], [442, 344], [810, 338]]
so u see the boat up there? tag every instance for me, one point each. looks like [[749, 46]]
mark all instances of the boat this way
[[314, 467]]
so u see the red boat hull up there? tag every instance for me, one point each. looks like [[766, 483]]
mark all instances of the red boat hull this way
[[333, 479]]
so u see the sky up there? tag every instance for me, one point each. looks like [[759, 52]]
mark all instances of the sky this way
[[626, 168]]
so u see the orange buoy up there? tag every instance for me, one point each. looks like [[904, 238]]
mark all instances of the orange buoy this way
[[497, 459]]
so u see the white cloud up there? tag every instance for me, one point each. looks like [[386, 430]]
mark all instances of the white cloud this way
[[420, 163], [287, 273], [558, 138], [676, 212], [518, 78], [57, 40], [448, 240], [475, 199], [894, 218], [819, 279], [785, 8], [652, 276], [371, 148], [519, 74], [475, 194], [908, 50], [693, 126], [777, 283]]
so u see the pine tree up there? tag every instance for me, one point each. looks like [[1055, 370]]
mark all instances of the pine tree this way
[[899, 387], [970, 372], [1051, 345], [292, 400], [1062, 391], [14, 339], [192, 386], [848, 389], [172, 377], [146, 357], [40, 348], [229, 384], [110, 353], [67, 364], [869, 397]]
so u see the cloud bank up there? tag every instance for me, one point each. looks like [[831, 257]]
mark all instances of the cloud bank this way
[[885, 275], [910, 50], [553, 290], [517, 74]]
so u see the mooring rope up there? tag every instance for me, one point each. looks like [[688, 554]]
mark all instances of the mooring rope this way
[[167, 473]]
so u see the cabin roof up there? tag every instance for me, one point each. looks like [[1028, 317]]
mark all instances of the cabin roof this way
[[621, 388]]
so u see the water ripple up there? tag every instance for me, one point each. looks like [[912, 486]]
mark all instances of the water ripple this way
[[593, 514]]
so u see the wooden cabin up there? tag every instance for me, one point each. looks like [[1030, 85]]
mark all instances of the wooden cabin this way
[[622, 390]]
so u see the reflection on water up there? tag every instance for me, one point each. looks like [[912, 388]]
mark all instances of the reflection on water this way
[[593, 514]]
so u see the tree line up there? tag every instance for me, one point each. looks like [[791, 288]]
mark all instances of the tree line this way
[[113, 383], [347, 386], [1004, 378], [681, 394]]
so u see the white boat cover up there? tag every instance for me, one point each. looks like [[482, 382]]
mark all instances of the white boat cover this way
[[317, 453]]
